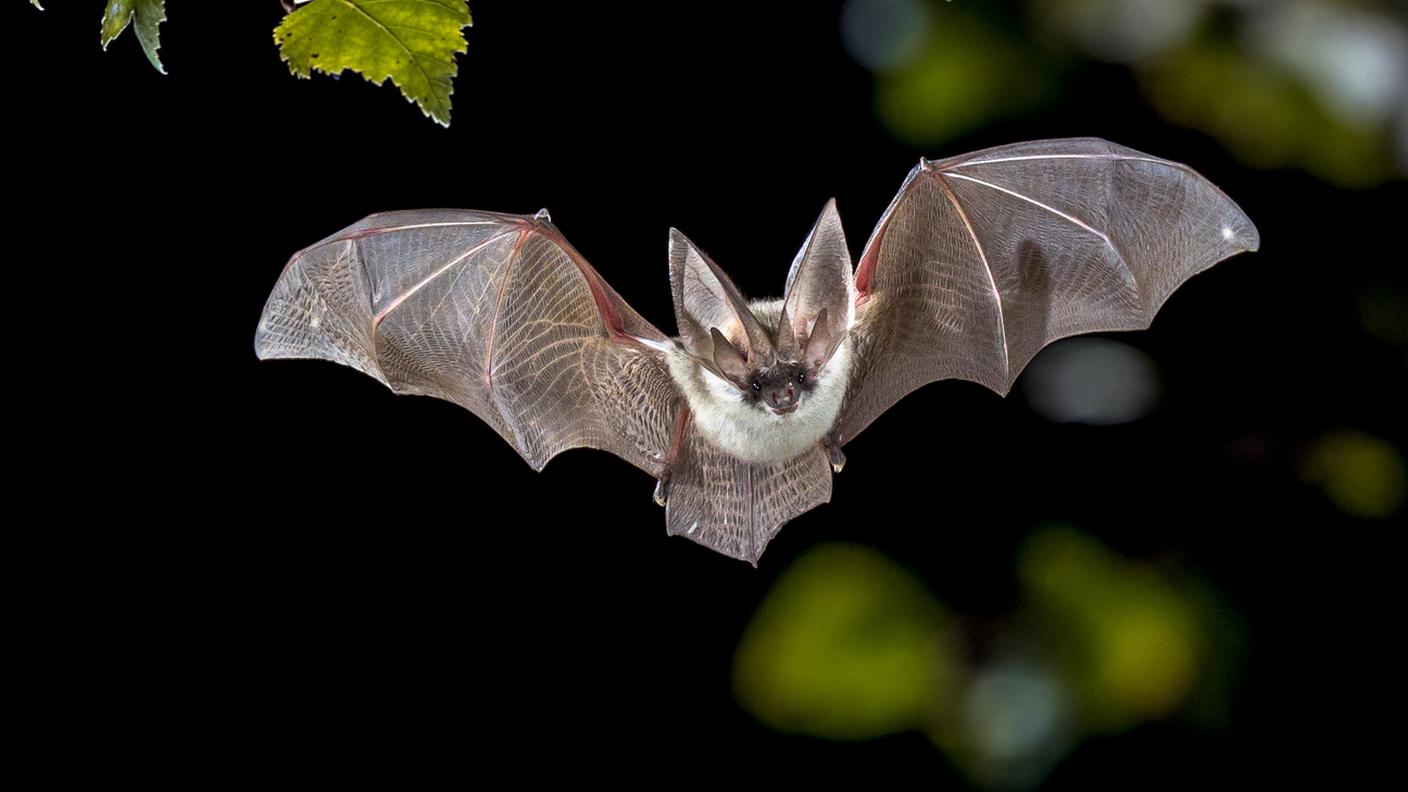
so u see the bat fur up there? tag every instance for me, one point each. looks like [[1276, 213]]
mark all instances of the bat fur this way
[[725, 417], [979, 262]]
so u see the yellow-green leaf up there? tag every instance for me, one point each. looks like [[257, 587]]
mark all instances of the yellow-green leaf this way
[[149, 14], [413, 42]]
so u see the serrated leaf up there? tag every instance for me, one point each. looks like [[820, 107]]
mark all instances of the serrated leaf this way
[[149, 15], [413, 42]]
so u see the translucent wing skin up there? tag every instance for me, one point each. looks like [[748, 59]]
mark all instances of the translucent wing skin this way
[[978, 263], [500, 315], [983, 259], [737, 507], [496, 313]]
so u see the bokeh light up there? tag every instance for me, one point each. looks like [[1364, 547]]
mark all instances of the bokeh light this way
[[1264, 115], [1018, 720], [968, 73], [848, 645], [1355, 60], [1363, 475], [1135, 642], [1123, 31], [884, 34], [1091, 381], [1403, 138], [1382, 310], [1314, 84]]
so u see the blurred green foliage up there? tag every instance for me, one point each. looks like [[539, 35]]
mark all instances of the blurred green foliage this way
[[1265, 116], [849, 645], [1362, 475], [967, 74], [1383, 313], [1320, 85], [1131, 641]]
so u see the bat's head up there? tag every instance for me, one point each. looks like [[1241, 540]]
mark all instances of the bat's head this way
[[775, 353]]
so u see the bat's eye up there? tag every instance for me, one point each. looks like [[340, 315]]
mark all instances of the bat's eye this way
[[757, 386], [801, 377]]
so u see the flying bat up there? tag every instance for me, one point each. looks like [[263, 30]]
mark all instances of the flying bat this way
[[979, 262]]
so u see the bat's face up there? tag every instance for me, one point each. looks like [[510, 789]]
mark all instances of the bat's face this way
[[779, 389]]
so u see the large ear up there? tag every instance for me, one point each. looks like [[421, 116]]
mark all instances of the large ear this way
[[819, 304], [705, 299], [727, 361]]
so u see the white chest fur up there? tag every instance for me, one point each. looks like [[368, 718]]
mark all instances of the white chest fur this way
[[723, 415]]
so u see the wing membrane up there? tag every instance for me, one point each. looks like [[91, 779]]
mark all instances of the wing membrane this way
[[496, 313], [983, 259]]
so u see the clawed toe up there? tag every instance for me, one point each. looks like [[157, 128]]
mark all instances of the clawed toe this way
[[833, 451]]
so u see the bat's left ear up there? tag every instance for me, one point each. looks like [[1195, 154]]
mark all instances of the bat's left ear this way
[[705, 299], [820, 288]]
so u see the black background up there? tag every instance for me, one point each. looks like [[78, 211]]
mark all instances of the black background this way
[[295, 574]]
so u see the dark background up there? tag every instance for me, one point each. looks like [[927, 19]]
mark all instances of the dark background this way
[[302, 576]]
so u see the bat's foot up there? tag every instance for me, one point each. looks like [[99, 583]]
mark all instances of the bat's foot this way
[[662, 490], [833, 451]]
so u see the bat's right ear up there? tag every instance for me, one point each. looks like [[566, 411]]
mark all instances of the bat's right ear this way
[[820, 297], [705, 299]]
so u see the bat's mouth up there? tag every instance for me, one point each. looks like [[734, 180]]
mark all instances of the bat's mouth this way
[[791, 408]]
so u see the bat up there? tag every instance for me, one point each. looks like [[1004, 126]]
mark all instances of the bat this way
[[979, 262]]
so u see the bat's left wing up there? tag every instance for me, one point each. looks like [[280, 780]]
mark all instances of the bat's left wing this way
[[500, 315], [496, 313], [983, 259]]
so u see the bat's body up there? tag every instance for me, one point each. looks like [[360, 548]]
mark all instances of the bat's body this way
[[725, 415], [979, 262]]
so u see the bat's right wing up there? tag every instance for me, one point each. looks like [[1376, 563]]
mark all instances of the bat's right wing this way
[[496, 313], [983, 259]]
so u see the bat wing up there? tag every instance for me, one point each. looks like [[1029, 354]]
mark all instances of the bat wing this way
[[983, 259], [496, 313], [737, 507]]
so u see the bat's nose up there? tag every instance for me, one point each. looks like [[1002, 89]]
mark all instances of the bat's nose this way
[[783, 399]]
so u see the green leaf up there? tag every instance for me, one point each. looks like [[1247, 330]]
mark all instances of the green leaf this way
[[411, 41], [149, 15]]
